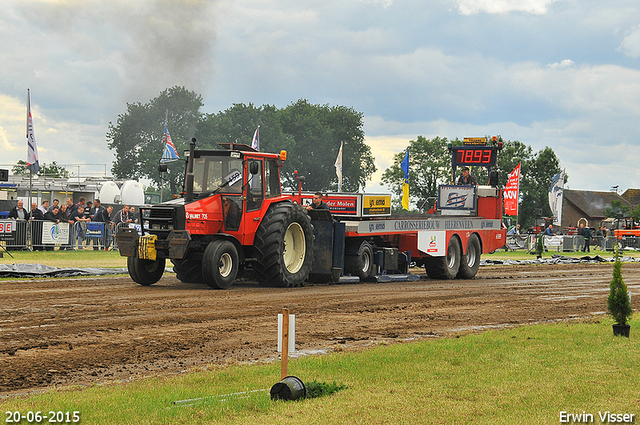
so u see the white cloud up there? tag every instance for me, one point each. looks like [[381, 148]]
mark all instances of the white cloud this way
[[630, 45], [567, 63], [472, 7]]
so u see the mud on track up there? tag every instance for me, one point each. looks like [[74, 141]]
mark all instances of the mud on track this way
[[82, 331]]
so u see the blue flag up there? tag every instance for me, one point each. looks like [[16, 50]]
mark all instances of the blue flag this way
[[405, 183]]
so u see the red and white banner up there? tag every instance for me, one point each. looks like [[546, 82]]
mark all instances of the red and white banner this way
[[512, 192]]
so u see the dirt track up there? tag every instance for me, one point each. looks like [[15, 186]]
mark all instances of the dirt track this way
[[80, 331]]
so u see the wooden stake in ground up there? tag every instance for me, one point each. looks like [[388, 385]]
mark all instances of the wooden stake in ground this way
[[285, 342]]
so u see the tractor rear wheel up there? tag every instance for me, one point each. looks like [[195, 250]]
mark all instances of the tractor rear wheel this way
[[445, 267], [220, 264], [284, 246], [145, 272], [188, 271], [470, 262]]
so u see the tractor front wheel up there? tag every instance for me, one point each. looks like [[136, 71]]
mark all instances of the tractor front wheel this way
[[220, 264]]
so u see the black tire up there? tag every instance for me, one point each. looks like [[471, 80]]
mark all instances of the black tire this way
[[188, 271], [145, 272], [284, 246], [220, 264], [445, 267], [470, 262], [361, 262]]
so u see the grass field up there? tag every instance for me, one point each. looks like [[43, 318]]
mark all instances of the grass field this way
[[525, 375]]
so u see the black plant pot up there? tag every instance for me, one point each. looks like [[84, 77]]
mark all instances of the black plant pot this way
[[621, 330]]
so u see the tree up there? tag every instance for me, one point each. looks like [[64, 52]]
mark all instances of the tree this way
[[535, 183], [46, 170], [311, 135], [429, 166], [137, 135], [617, 207]]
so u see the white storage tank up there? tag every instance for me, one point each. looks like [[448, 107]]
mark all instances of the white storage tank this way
[[108, 193], [132, 193]]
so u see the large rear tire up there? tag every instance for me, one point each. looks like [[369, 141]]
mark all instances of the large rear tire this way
[[220, 264], [470, 262], [284, 246], [361, 262], [188, 271], [145, 272], [446, 267]]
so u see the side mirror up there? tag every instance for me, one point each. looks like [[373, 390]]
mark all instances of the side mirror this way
[[162, 168], [254, 167]]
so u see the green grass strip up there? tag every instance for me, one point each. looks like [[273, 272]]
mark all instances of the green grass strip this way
[[526, 375]]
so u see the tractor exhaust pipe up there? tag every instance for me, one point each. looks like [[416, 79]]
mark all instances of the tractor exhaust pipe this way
[[189, 179]]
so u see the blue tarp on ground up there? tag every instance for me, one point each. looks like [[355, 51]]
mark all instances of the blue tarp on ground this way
[[560, 259], [40, 270]]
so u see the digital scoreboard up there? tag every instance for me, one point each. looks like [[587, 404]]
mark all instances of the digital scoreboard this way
[[484, 156]]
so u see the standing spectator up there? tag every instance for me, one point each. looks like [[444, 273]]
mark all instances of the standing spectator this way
[[18, 212], [53, 217], [44, 207], [123, 216], [586, 233], [36, 213], [98, 217], [88, 209], [35, 222], [70, 206], [549, 231], [109, 226], [80, 223], [64, 218], [81, 203], [56, 204], [134, 214]]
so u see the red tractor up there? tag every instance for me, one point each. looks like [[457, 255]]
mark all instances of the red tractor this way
[[232, 213]]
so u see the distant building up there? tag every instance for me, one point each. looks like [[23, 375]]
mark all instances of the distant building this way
[[587, 204], [633, 196]]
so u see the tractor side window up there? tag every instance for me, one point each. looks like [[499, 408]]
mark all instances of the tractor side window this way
[[254, 191], [272, 178], [232, 209]]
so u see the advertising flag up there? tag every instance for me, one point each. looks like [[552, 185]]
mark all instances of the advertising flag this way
[[170, 153], [255, 142], [555, 197], [32, 148], [405, 184], [512, 192], [338, 166]]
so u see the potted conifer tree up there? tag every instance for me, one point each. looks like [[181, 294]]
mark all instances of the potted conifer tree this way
[[619, 302]]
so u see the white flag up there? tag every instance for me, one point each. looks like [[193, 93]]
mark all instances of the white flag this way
[[32, 148], [555, 197], [255, 142], [338, 166]]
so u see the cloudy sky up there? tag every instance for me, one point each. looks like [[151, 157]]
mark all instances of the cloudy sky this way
[[558, 73]]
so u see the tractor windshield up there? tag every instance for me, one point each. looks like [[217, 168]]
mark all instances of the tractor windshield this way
[[214, 172]]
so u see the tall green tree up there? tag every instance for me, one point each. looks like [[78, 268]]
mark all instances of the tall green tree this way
[[534, 185], [137, 135], [311, 135], [429, 166], [617, 207]]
